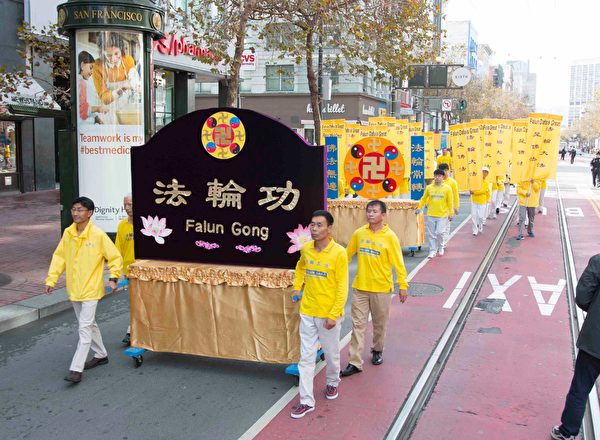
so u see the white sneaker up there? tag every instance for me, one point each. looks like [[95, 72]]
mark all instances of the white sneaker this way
[[431, 254], [441, 251], [481, 227], [475, 234], [557, 435]]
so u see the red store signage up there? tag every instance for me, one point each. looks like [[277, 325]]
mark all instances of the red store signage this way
[[173, 46]]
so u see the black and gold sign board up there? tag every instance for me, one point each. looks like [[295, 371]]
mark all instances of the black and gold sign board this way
[[227, 186], [142, 16]]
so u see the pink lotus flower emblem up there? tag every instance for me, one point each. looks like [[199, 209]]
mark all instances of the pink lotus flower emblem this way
[[298, 237], [155, 227]]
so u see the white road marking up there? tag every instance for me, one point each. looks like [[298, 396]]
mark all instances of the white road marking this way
[[454, 295]]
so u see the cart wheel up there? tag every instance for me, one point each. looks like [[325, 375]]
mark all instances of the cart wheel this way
[[139, 360], [419, 248], [322, 356], [297, 381]]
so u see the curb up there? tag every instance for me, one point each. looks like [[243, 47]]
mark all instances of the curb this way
[[40, 306]]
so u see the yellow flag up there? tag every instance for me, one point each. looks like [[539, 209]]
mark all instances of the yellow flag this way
[[502, 147], [430, 163], [416, 128], [547, 158], [519, 156], [458, 136], [474, 156], [488, 132], [402, 138]]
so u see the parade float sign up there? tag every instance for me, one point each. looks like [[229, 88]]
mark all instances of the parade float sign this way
[[226, 186]]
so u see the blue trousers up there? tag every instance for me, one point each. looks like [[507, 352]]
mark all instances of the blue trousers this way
[[587, 369]]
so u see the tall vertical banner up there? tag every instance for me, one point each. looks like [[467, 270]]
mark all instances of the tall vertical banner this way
[[474, 156], [502, 147], [488, 134], [520, 151], [331, 145], [458, 136], [110, 117], [417, 167], [543, 136], [430, 163]]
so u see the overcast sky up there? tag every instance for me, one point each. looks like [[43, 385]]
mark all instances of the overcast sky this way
[[548, 33]]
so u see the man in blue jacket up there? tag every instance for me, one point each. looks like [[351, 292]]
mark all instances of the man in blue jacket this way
[[587, 365]]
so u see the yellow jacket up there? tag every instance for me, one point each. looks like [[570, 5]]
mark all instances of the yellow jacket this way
[[482, 196], [438, 200], [377, 252], [124, 243], [103, 75], [499, 183], [454, 187], [523, 188], [444, 159], [325, 278], [82, 257]]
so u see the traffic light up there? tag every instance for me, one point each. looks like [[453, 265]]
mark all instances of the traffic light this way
[[462, 104]]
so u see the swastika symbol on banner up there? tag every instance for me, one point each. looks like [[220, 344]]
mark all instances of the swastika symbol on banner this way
[[373, 168], [223, 135]]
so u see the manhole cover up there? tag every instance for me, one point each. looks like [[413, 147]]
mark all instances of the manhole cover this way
[[424, 289], [4, 279]]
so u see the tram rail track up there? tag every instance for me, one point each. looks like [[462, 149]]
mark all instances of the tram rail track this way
[[591, 420], [408, 415]]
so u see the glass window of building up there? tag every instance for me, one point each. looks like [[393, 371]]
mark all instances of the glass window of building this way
[[8, 147], [164, 97], [280, 78]]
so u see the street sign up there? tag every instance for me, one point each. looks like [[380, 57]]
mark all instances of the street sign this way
[[461, 76], [446, 105]]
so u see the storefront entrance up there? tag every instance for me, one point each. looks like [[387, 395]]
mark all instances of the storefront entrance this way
[[9, 176], [164, 97]]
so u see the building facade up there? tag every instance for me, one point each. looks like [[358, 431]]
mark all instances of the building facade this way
[[585, 80]]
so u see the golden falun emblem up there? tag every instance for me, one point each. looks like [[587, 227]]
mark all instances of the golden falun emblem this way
[[373, 167], [223, 135]]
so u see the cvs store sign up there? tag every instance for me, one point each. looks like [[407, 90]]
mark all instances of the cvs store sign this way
[[248, 60]]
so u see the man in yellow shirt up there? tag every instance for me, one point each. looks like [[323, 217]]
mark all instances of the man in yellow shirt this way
[[124, 243], [323, 270], [81, 254], [455, 202], [378, 251], [529, 198], [438, 198], [479, 200]]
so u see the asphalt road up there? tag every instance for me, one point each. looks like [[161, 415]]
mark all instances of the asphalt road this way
[[170, 397]]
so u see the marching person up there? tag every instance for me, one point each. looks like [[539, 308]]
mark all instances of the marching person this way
[[81, 254], [323, 270], [438, 198], [455, 201], [124, 243], [595, 168], [378, 251], [529, 197], [479, 200], [587, 364]]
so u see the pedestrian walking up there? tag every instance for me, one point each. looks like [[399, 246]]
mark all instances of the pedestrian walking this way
[[595, 168], [438, 199], [448, 180], [378, 252], [543, 185], [81, 254], [323, 270], [479, 200], [124, 243], [497, 201], [573, 153], [529, 197], [6, 154], [587, 364], [563, 153]]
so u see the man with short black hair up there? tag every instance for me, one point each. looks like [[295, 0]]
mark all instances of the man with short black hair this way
[[438, 198], [81, 254], [378, 252], [323, 271]]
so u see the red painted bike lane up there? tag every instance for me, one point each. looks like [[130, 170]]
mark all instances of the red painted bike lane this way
[[368, 402], [510, 371], [583, 220]]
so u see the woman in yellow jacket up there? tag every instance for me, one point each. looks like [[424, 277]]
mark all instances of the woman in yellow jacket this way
[[81, 254], [529, 198], [479, 201]]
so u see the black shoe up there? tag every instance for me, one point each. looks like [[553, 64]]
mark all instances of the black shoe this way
[[73, 376], [127, 340], [349, 371], [497, 210], [94, 362], [377, 358]]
